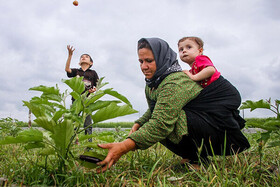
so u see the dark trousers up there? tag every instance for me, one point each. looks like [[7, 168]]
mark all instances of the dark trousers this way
[[87, 123], [88, 127], [210, 138], [213, 121]]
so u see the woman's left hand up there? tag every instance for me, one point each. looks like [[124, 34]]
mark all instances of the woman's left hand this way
[[116, 150], [134, 128]]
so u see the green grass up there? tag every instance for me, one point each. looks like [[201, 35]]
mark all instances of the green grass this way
[[151, 167]]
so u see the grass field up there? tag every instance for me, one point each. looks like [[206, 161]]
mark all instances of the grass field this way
[[151, 167]]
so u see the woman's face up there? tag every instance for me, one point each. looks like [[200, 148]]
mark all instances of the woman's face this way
[[147, 62]]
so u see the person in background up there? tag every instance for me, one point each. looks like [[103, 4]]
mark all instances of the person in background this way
[[90, 78], [181, 115]]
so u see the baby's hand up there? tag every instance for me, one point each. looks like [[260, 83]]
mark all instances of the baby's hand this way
[[185, 71], [188, 73]]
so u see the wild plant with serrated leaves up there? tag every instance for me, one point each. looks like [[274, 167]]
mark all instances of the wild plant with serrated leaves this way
[[9, 126], [62, 125], [271, 126]]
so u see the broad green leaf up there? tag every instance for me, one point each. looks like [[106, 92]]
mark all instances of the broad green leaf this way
[[46, 89], [265, 136], [48, 108], [117, 95], [77, 106], [112, 111], [62, 135], [76, 84], [45, 123], [39, 100], [36, 110], [254, 105], [57, 105], [26, 136], [93, 97], [75, 118], [75, 95], [58, 114], [34, 145], [45, 105], [47, 151], [52, 97], [98, 105]]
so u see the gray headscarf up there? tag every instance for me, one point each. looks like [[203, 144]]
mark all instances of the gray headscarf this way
[[166, 60]]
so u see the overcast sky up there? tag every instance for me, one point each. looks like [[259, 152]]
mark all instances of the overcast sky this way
[[241, 37]]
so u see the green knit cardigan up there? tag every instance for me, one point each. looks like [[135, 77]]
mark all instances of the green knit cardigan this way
[[167, 120]]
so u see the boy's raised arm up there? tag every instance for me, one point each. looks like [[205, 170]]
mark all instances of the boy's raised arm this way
[[70, 53]]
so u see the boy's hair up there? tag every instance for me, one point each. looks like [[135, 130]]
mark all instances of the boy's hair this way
[[87, 55], [199, 42]]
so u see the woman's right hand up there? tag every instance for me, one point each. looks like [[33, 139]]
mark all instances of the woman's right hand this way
[[70, 50], [115, 151], [134, 128]]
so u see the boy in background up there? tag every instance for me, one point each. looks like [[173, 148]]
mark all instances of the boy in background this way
[[90, 78]]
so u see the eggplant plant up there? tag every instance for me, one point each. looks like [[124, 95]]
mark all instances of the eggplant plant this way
[[271, 126], [9, 126], [62, 125]]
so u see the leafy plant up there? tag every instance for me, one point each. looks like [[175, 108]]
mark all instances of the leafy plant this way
[[271, 126], [62, 125], [9, 126]]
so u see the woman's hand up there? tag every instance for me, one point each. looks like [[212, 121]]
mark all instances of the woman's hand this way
[[70, 50], [134, 128], [116, 150]]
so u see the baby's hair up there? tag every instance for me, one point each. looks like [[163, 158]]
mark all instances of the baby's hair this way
[[199, 42], [143, 43]]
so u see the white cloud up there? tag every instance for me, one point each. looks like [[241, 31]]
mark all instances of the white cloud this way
[[241, 38]]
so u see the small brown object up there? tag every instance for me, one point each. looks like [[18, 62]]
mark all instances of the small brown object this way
[[75, 3]]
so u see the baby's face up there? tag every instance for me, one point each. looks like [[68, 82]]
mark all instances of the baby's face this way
[[189, 50]]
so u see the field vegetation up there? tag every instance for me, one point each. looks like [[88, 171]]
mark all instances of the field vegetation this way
[[156, 166], [51, 154]]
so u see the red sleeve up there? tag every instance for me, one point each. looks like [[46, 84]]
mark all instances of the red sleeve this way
[[203, 61]]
